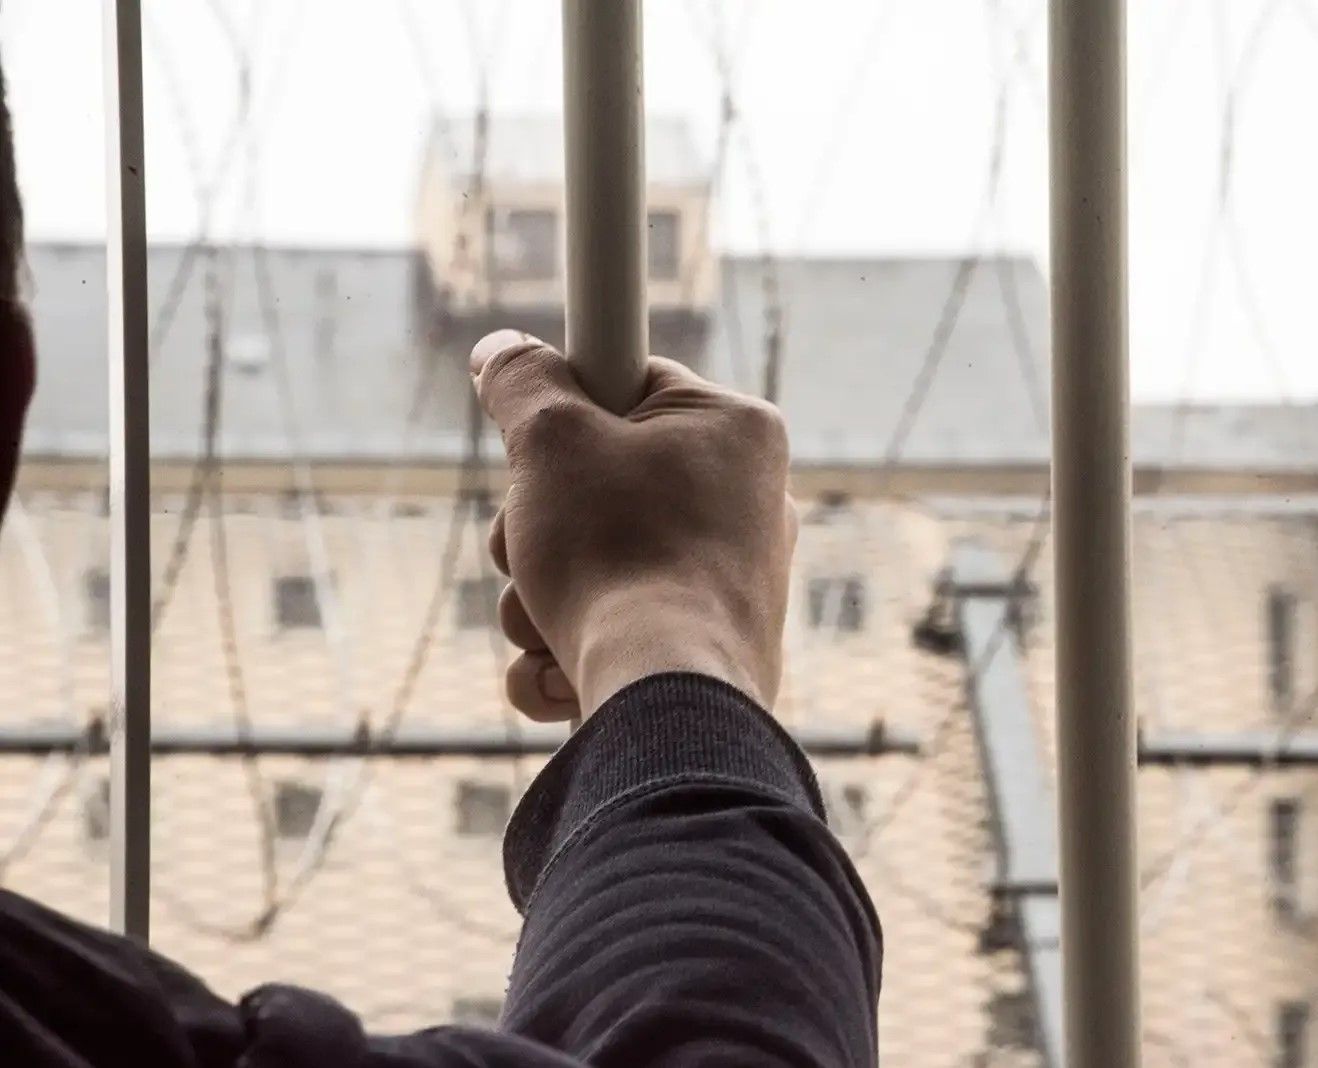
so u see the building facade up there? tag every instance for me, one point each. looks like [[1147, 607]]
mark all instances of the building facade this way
[[322, 484]]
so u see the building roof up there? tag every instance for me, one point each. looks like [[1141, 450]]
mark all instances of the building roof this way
[[529, 148], [875, 364]]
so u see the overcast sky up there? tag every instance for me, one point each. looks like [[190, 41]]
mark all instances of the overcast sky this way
[[870, 125]]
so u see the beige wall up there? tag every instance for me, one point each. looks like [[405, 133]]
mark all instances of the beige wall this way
[[407, 916], [454, 237]]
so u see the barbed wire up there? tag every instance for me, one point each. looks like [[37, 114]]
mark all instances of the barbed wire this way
[[909, 413], [774, 311], [474, 489], [345, 790], [205, 468], [1235, 82], [1298, 719], [942, 732]]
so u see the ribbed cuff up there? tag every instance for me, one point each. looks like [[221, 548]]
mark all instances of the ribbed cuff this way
[[663, 729]]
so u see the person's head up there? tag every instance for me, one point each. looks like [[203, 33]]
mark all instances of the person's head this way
[[17, 351]]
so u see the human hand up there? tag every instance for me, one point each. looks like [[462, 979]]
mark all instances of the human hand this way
[[656, 541]]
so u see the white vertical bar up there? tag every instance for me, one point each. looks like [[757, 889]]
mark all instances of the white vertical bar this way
[[1091, 509], [604, 131], [130, 535]]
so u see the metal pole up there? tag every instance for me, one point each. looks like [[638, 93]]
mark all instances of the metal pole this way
[[130, 535], [319, 740], [604, 115], [1091, 515]]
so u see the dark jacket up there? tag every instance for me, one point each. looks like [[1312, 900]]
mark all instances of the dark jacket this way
[[684, 905]]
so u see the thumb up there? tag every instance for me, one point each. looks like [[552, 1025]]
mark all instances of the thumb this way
[[517, 375]]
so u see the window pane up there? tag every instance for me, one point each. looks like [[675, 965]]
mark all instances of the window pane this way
[[482, 809], [477, 602], [96, 592], [524, 244], [296, 603], [1281, 646], [1284, 819], [837, 602], [296, 807], [1293, 1035], [664, 244], [477, 1011]]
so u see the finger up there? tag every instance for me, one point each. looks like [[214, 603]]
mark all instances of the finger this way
[[539, 690], [517, 380], [671, 386], [516, 624], [663, 373], [494, 343], [499, 543]]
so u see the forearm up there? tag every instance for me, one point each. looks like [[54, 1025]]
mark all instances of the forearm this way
[[683, 897]]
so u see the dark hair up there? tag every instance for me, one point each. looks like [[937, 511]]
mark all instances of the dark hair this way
[[11, 208]]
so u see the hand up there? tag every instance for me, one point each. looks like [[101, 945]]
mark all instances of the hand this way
[[656, 541]]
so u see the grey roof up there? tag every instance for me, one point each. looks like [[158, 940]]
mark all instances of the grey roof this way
[[857, 334], [529, 148]]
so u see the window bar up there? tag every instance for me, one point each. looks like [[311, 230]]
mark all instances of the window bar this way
[[1091, 513], [604, 142], [608, 327], [129, 475]]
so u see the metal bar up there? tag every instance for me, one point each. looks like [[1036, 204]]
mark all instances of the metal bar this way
[[604, 116], [1246, 749], [1091, 517], [221, 739], [129, 482]]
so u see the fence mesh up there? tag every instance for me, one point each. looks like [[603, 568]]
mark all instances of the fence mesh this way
[[360, 876], [302, 589]]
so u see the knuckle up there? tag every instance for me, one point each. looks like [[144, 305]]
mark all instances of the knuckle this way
[[513, 372], [554, 422], [761, 421]]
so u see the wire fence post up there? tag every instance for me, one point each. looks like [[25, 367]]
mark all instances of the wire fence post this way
[[129, 475], [604, 143], [1091, 502]]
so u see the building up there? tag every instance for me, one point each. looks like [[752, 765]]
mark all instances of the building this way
[[334, 575]]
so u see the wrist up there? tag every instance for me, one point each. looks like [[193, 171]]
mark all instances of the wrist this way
[[651, 629]]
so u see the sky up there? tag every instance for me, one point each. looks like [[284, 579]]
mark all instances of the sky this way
[[866, 128]]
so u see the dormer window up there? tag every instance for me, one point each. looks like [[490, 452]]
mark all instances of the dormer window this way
[[665, 244], [523, 244]]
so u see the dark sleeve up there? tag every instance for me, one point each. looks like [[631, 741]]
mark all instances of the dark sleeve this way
[[684, 902]]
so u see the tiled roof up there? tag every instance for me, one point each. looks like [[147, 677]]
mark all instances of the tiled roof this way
[[921, 361]]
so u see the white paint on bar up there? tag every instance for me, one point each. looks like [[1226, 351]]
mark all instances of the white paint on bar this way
[[604, 141], [1091, 518], [129, 475]]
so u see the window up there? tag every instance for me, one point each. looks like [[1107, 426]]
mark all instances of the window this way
[[523, 244], [1292, 1034], [96, 811], [482, 808], [96, 597], [477, 603], [829, 507], [296, 603], [846, 808], [1283, 860], [296, 805], [1281, 626], [856, 798], [837, 601], [664, 243], [481, 1012]]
